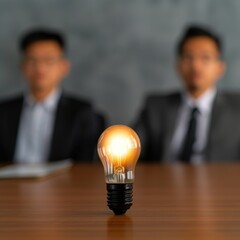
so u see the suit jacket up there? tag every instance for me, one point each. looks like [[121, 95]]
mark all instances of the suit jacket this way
[[157, 122], [75, 133]]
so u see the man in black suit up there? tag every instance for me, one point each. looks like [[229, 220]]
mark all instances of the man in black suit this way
[[45, 124], [199, 123]]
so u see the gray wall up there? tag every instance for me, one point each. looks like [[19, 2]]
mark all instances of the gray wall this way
[[120, 50]]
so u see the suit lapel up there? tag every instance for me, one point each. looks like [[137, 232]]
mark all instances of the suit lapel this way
[[58, 129], [13, 122], [215, 125], [170, 121]]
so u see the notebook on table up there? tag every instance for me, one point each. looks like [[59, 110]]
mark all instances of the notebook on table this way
[[34, 170]]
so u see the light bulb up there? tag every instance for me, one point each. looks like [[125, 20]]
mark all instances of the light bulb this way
[[119, 149]]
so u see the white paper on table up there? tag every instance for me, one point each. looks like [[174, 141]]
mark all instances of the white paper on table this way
[[33, 170]]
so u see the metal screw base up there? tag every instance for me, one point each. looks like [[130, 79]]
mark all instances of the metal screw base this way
[[119, 197]]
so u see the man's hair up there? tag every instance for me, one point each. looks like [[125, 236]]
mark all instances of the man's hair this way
[[39, 35], [198, 31]]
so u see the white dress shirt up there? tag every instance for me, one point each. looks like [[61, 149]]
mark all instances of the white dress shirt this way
[[204, 104], [35, 129]]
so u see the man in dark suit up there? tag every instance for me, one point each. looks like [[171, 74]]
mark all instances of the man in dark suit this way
[[45, 124], [199, 123]]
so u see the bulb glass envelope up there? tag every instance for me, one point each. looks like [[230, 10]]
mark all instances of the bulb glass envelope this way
[[119, 149]]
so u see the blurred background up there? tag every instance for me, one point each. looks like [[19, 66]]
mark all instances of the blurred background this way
[[120, 50]]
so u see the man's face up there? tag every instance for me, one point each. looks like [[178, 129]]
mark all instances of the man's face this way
[[199, 65], [44, 65]]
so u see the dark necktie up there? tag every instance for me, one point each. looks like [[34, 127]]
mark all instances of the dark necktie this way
[[190, 137]]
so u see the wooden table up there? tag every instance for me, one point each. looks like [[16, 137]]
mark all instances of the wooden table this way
[[170, 202]]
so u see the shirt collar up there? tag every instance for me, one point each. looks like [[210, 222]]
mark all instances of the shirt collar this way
[[203, 103], [49, 103]]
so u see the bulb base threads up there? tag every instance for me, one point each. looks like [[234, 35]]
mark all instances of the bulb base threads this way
[[119, 197]]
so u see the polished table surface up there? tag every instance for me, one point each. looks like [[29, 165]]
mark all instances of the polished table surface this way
[[170, 202]]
